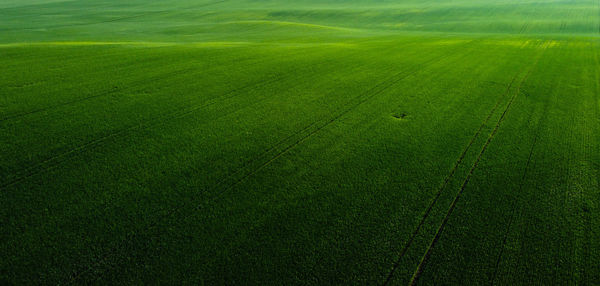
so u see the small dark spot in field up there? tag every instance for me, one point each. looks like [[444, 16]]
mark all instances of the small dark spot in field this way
[[400, 115], [585, 209], [491, 83]]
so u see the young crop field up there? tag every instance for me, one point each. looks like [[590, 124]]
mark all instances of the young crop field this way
[[280, 142]]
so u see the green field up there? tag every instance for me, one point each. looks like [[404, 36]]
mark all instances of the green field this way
[[259, 142]]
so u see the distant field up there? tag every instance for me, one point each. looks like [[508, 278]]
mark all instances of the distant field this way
[[300, 142]]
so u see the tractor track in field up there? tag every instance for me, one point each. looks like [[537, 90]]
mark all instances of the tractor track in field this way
[[353, 103], [38, 168], [78, 274], [276, 145], [513, 211], [376, 90], [446, 181], [29, 172], [246, 164], [272, 147], [102, 94], [134, 85], [419, 270]]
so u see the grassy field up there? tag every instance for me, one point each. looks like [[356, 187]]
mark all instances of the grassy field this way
[[282, 142]]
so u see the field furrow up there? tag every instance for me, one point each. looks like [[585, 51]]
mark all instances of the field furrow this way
[[273, 142]]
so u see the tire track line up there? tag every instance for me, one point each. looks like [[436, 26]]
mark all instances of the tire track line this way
[[445, 183], [303, 130], [127, 65], [111, 253], [437, 236], [31, 171], [38, 168], [279, 143], [374, 92], [541, 125], [513, 212], [105, 93], [272, 148], [131, 86]]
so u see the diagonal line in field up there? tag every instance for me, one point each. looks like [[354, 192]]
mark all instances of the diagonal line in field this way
[[139, 83], [513, 211], [77, 275], [38, 168], [425, 258], [54, 161], [101, 94], [445, 183], [31, 171], [133, 86], [515, 206], [274, 146], [374, 91]]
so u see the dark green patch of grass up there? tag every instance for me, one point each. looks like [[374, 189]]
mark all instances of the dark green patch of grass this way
[[258, 142]]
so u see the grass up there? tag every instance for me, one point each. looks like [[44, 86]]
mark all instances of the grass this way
[[279, 142]]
